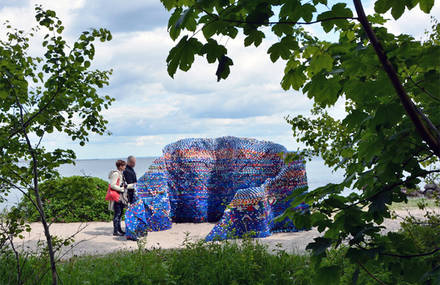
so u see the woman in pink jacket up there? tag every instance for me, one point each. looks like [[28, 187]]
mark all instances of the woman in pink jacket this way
[[117, 202]]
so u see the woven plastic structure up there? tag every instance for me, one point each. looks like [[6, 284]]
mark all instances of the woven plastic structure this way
[[239, 183]]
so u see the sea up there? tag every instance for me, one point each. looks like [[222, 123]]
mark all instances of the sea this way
[[318, 174]]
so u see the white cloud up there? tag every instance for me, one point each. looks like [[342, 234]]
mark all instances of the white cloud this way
[[151, 109], [413, 22]]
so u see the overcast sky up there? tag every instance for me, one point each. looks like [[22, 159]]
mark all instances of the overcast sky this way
[[152, 109]]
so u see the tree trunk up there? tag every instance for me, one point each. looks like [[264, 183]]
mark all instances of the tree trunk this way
[[38, 200], [43, 217]]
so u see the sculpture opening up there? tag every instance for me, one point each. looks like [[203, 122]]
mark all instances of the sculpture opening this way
[[240, 183]]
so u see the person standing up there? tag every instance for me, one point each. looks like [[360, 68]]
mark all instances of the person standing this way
[[130, 177], [117, 195]]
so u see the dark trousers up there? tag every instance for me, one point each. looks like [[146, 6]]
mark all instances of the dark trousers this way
[[118, 207], [131, 198]]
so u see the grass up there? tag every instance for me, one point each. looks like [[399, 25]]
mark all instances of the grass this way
[[414, 203], [197, 263]]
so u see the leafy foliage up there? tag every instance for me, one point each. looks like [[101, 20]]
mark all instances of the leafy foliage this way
[[56, 92], [39, 95], [70, 199], [385, 141]]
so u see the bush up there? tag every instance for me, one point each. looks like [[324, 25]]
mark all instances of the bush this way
[[70, 199]]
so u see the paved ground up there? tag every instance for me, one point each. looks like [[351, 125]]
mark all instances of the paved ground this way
[[96, 237]]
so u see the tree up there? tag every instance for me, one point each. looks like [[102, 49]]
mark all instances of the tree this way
[[56, 92], [389, 136]]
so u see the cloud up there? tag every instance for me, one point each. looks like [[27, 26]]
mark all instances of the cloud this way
[[414, 22], [152, 109], [120, 16]]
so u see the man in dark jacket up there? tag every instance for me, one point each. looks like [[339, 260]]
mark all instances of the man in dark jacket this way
[[130, 176]]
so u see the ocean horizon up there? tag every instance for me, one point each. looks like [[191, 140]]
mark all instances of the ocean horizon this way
[[318, 174]]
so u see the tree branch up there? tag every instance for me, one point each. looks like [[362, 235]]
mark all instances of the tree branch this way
[[41, 110], [387, 188], [218, 17], [370, 274], [286, 22], [28, 121], [430, 136], [38, 198], [17, 259], [22, 191], [423, 89], [426, 158], [411, 255]]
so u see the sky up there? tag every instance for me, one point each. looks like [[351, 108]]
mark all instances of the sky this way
[[151, 108]]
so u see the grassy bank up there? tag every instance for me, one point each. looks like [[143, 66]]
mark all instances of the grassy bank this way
[[201, 263]]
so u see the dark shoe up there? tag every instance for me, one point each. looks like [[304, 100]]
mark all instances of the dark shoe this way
[[119, 229], [118, 234]]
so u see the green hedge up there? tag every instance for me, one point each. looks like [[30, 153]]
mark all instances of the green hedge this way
[[70, 199]]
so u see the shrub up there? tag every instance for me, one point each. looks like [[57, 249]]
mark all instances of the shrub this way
[[70, 199]]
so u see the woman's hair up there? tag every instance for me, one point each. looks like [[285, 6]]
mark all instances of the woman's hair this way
[[120, 163]]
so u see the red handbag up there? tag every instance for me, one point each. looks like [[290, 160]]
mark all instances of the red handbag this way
[[112, 195]]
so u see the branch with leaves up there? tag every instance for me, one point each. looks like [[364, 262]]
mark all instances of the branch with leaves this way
[[64, 89], [389, 134]]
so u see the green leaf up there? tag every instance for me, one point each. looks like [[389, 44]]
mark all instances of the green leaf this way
[[382, 6], [223, 68], [388, 114], [186, 20], [398, 9], [355, 119], [319, 246], [282, 29], [182, 55], [168, 4], [426, 5], [181, 18], [324, 91], [293, 78], [209, 29], [291, 10], [173, 30], [307, 11], [338, 10], [319, 63], [327, 275], [326, 25], [278, 50], [255, 37], [213, 51], [4, 93]]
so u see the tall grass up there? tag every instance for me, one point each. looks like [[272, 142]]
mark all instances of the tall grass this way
[[197, 263], [247, 262]]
